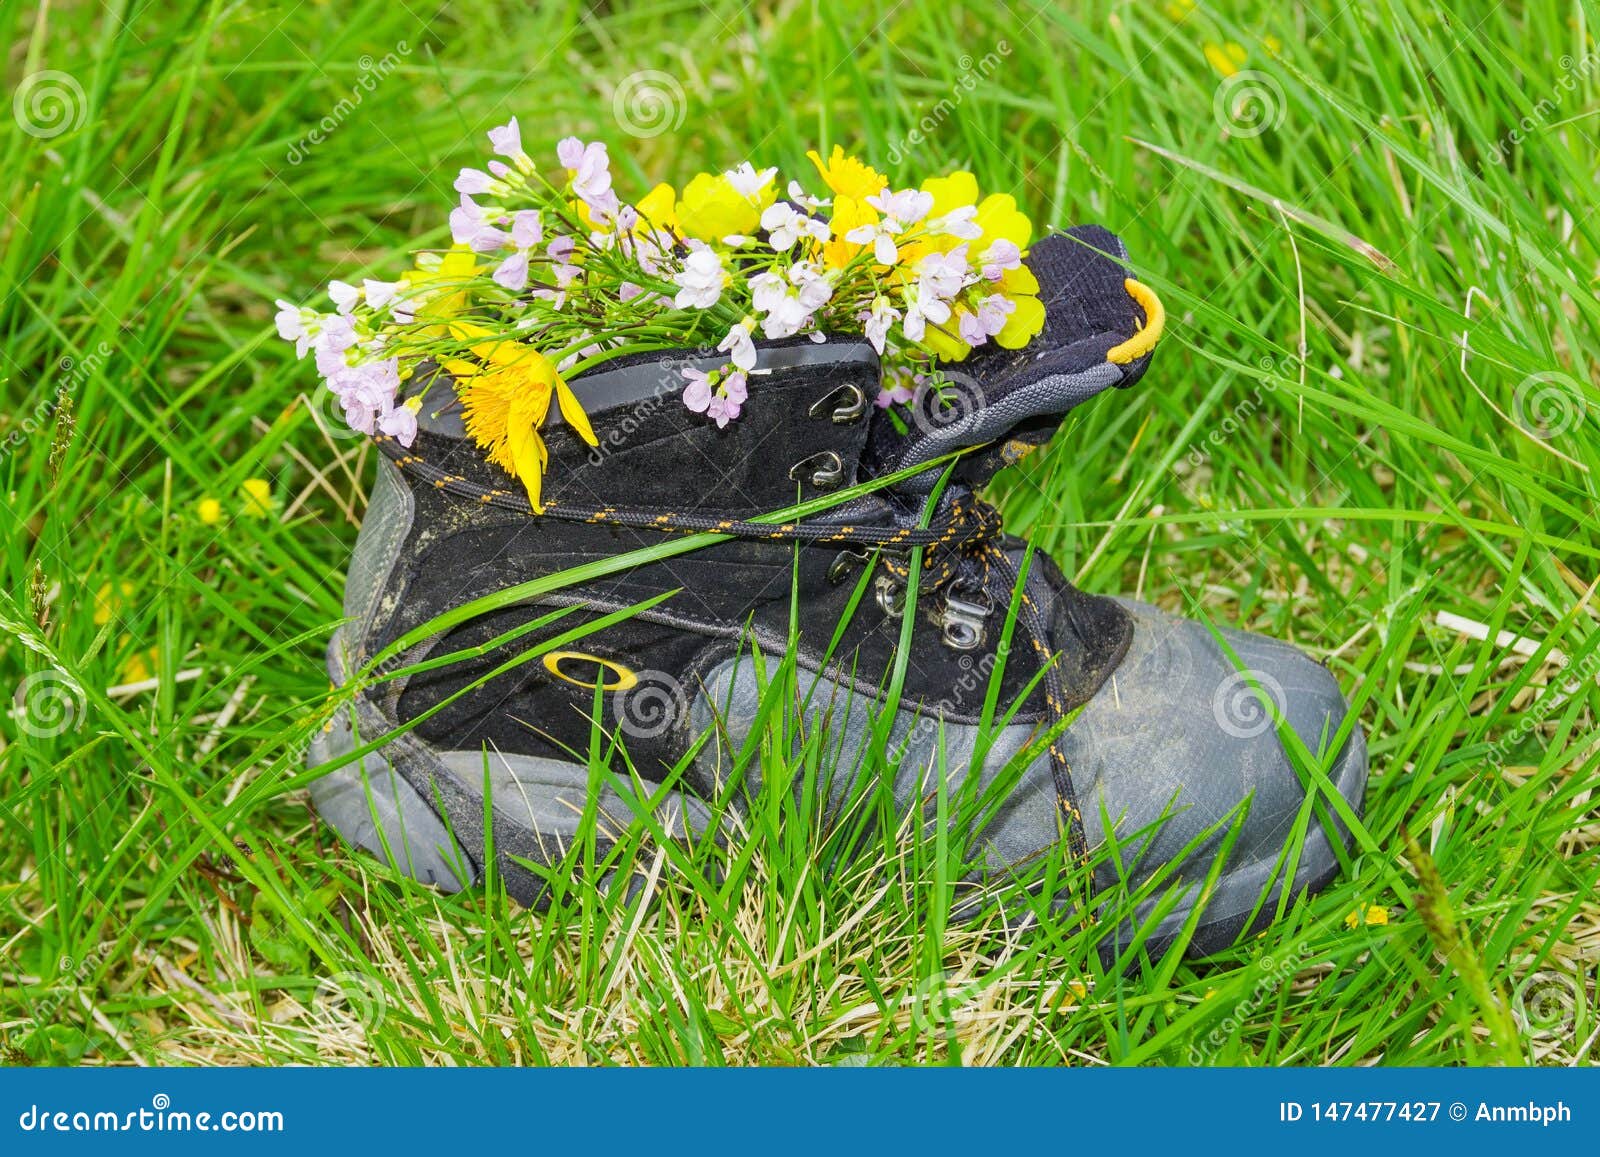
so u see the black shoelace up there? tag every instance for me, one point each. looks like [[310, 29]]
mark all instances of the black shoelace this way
[[961, 551]]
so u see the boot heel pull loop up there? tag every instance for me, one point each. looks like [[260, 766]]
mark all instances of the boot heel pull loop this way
[[826, 470], [1155, 320], [849, 403]]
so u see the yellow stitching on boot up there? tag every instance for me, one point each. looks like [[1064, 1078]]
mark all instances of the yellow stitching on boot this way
[[1155, 319]]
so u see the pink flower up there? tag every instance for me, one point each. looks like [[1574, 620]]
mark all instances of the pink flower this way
[[527, 230], [998, 258], [469, 226], [697, 394], [400, 423]]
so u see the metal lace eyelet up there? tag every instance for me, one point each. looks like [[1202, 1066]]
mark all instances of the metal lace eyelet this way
[[964, 623], [891, 596], [849, 403], [843, 561], [826, 469]]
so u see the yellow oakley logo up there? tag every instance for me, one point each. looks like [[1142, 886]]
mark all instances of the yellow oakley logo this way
[[625, 678]]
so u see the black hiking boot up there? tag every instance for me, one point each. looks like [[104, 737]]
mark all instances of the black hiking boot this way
[[1135, 729]]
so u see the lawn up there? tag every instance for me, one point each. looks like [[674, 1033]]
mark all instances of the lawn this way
[[1371, 430]]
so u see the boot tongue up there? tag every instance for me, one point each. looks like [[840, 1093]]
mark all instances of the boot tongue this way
[[1015, 399]]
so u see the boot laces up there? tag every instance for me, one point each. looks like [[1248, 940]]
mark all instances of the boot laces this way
[[962, 557]]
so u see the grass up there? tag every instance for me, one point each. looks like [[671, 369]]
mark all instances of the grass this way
[[1371, 431]]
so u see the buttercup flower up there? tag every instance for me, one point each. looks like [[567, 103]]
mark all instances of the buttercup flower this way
[[846, 176], [505, 398], [714, 207]]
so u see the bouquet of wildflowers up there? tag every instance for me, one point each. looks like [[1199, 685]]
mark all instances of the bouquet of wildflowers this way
[[552, 273]]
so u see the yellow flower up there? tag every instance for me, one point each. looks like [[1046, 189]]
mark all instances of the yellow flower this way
[[1226, 58], [108, 600], [1024, 323], [443, 280], [1000, 219], [711, 208], [847, 176], [955, 191], [505, 400], [208, 511], [1369, 914], [658, 209], [258, 501], [945, 341], [140, 666]]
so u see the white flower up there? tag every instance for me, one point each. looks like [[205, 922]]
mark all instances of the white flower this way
[[805, 200], [384, 293], [941, 275], [904, 208], [700, 281], [477, 182], [343, 295], [737, 345], [590, 167], [879, 321], [334, 333], [900, 212], [960, 222], [295, 324], [469, 226], [748, 182], [990, 318], [785, 226], [789, 303]]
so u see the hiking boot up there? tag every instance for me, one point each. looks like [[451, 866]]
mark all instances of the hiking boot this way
[[1137, 737]]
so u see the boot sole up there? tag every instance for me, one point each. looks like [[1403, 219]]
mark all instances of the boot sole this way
[[540, 806]]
